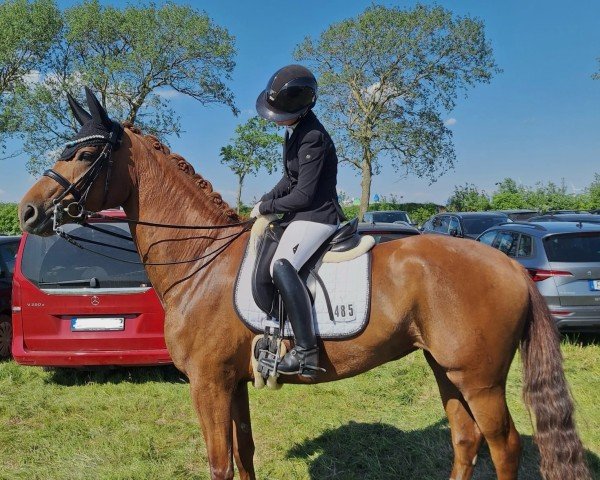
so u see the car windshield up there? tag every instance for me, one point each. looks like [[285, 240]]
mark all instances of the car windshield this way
[[577, 248], [52, 262], [389, 217], [477, 225]]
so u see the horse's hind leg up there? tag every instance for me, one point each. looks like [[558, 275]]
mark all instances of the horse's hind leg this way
[[488, 405], [243, 443], [466, 436]]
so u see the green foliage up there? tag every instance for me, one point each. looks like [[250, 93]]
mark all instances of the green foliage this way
[[468, 198], [592, 194], [255, 146], [135, 58], [387, 78], [9, 219], [27, 31], [542, 197]]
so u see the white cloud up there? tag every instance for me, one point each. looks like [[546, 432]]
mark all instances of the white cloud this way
[[168, 93], [450, 122], [376, 93], [32, 78]]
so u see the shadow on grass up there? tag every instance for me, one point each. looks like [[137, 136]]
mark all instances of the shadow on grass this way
[[370, 451], [102, 375]]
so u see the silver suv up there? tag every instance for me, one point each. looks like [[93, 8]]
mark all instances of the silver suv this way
[[563, 259]]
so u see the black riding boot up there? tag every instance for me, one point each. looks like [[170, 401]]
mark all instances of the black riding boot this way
[[303, 359]]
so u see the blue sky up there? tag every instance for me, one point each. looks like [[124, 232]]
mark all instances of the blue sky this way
[[539, 120]]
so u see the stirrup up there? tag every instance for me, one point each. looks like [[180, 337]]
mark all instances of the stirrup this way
[[299, 355]]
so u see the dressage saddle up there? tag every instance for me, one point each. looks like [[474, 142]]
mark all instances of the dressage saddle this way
[[344, 238]]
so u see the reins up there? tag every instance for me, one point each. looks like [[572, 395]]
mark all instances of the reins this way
[[76, 240], [166, 225]]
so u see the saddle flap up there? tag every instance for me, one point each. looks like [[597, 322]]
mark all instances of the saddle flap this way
[[263, 289]]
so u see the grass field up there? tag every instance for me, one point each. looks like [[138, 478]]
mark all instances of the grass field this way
[[138, 424]]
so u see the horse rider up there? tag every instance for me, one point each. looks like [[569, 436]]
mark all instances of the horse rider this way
[[306, 195]]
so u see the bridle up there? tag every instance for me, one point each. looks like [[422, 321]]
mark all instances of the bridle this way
[[80, 188]]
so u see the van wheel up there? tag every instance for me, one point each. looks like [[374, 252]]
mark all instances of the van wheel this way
[[5, 336]]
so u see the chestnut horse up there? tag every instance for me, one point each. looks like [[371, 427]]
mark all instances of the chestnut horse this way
[[466, 305]]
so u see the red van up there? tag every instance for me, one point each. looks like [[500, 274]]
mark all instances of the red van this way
[[75, 308]]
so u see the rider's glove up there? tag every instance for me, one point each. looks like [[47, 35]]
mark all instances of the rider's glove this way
[[255, 213]]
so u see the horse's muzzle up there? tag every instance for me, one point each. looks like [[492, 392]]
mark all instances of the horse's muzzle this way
[[35, 219]]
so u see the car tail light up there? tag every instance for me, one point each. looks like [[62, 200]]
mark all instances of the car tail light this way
[[539, 275], [561, 313]]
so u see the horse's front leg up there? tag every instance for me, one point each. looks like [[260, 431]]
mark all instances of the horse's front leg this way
[[212, 397], [243, 443]]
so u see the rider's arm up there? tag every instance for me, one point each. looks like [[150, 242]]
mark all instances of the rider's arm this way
[[279, 190], [311, 155]]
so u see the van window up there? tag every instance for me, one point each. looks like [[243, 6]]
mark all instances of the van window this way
[[52, 262]]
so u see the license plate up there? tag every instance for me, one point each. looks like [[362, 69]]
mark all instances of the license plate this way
[[594, 284], [89, 324]]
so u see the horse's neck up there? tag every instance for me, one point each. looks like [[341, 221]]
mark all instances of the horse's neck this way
[[164, 194]]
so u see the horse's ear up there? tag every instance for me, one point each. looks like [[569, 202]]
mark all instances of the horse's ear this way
[[78, 111], [96, 108]]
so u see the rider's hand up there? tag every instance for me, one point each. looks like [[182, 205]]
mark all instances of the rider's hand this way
[[255, 213]]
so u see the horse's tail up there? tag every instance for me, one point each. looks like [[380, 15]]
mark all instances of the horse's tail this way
[[547, 394]]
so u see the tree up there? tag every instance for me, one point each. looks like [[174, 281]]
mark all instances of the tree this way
[[385, 78], [592, 193], [27, 32], [256, 144], [9, 219], [135, 58], [468, 198], [508, 196]]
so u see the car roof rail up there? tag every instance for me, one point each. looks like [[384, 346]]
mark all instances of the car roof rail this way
[[526, 224]]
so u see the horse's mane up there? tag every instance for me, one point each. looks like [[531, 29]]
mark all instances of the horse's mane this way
[[183, 165]]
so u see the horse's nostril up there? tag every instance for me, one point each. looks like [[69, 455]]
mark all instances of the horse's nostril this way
[[30, 214]]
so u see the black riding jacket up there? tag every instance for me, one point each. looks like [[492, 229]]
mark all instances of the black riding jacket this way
[[307, 190]]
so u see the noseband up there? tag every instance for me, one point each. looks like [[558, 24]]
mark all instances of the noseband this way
[[81, 187]]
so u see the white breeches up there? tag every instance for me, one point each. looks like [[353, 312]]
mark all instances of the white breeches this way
[[300, 240]]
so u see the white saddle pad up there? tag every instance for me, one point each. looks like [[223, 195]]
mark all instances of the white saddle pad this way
[[348, 285]]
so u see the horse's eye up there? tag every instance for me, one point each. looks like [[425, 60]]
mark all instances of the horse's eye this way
[[86, 156]]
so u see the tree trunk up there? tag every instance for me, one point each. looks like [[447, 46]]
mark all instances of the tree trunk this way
[[239, 192], [365, 183]]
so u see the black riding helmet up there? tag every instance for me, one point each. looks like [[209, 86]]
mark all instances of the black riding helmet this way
[[290, 93]]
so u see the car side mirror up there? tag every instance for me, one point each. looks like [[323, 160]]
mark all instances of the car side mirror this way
[[453, 232]]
